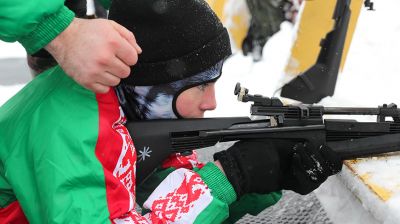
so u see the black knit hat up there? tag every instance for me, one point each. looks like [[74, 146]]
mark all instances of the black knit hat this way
[[179, 38]]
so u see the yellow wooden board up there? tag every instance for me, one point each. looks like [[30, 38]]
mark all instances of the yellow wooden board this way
[[315, 22], [380, 174], [235, 16]]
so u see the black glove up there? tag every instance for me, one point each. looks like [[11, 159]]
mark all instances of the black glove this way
[[251, 166], [309, 167], [264, 166]]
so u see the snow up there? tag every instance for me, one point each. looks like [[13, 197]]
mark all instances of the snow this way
[[7, 92], [11, 50], [341, 204], [260, 78], [370, 78], [381, 175], [371, 73]]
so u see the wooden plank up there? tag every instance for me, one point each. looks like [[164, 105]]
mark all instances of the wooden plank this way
[[315, 22], [235, 16]]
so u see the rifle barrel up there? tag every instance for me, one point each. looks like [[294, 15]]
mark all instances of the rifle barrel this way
[[352, 110], [366, 147]]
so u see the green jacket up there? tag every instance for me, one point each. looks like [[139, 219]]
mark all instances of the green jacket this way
[[34, 23], [66, 157]]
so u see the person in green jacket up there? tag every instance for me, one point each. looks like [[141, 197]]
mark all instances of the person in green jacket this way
[[95, 53], [67, 157]]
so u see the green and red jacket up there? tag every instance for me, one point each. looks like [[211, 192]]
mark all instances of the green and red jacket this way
[[66, 157]]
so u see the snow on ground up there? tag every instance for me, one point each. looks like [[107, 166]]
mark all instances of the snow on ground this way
[[370, 78], [381, 176]]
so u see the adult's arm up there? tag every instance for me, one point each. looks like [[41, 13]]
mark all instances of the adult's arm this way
[[95, 53], [33, 23]]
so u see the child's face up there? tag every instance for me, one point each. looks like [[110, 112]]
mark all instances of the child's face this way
[[193, 102]]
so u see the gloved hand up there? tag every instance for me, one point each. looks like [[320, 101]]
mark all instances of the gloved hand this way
[[309, 167], [263, 166]]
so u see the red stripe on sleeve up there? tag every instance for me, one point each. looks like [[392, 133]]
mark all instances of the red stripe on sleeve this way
[[116, 152]]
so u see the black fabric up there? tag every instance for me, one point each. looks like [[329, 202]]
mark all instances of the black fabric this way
[[264, 166], [129, 106], [179, 38], [232, 171], [258, 167], [310, 167], [77, 6]]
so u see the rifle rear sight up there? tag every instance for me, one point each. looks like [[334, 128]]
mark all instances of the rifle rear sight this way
[[274, 108], [258, 100]]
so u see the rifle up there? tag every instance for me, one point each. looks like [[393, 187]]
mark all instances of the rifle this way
[[155, 140]]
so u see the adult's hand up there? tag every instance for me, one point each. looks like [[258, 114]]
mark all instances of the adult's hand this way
[[96, 53]]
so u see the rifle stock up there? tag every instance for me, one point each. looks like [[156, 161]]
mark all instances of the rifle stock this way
[[155, 140]]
